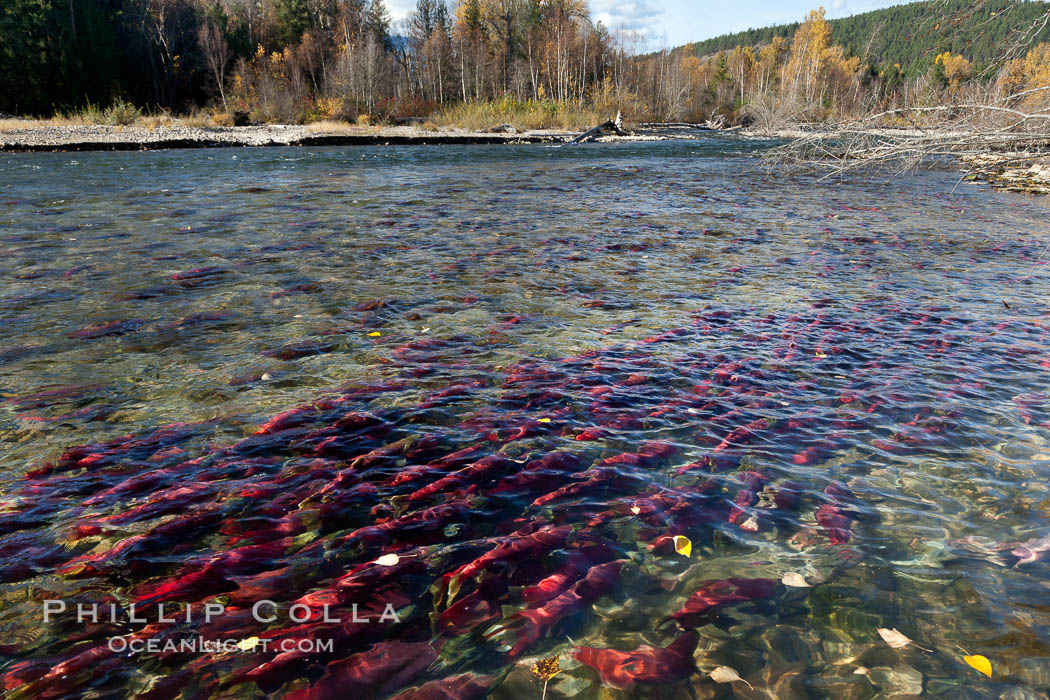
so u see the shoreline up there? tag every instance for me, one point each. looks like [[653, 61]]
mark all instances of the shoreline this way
[[137, 138], [1010, 172], [55, 138]]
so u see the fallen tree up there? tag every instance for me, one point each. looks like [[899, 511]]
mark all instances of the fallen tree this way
[[614, 125], [964, 130]]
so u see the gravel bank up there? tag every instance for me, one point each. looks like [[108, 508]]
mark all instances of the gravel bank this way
[[132, 138], [1014, 172]]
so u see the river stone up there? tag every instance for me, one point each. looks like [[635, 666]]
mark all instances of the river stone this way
[[569, 686], [954, 688], [1034, 672], [901, 680], [787, 646], [1022, 694]]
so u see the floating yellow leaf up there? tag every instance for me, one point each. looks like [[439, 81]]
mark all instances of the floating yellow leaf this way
[[636, 510], [388, 560], [543, 420], [545, 669], [980, 663], [453, 588], [683, 545], [374, 334]]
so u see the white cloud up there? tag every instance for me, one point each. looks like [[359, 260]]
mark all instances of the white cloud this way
[[399, 9], [632, 15], [838, 4]]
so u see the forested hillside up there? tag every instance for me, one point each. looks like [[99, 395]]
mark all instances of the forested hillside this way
[[913, 35]]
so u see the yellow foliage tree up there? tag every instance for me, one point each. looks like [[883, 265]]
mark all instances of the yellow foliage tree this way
[[840, 78], [802, 71], [1037, 76], [956, 69], [1011, 78], [769, 58], [741, 63]]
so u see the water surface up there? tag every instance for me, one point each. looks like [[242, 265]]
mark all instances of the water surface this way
[[550, 359]]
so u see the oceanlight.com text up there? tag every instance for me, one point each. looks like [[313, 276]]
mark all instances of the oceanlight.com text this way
[[199, 645]]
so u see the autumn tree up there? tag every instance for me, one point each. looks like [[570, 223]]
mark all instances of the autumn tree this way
[[950, 71], [741, 63], [770, 57], [1029, 79], [216, 53], [801, 72]]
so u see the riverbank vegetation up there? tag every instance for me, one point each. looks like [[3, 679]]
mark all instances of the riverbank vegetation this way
[[528, 63]]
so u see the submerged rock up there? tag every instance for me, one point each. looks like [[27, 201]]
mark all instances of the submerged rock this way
[[900, 680]]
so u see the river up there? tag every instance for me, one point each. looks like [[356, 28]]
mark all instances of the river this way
[[493, 389]]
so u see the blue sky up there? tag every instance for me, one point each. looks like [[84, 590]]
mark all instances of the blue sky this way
[[675, 22]]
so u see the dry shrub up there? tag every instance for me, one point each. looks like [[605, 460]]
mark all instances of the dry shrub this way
[[154, 121], [121, 113], [332, 127], [15, 124], [196, 120], [524, 115]]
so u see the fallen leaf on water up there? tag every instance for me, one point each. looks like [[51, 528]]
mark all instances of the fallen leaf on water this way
[[683, 545], [725, 674], [543, 420], [980, 663], [794, 580], [636, 510], [821, 355], [374, 334], [895, 639], [546, 669], [388, 560], [453, 588]]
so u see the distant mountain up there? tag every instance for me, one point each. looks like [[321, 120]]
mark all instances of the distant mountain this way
[[912, 35]]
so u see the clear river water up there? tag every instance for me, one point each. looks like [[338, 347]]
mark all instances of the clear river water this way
[[448, 411]]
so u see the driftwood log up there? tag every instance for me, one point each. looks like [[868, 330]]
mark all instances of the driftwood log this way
[[614, 125]]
